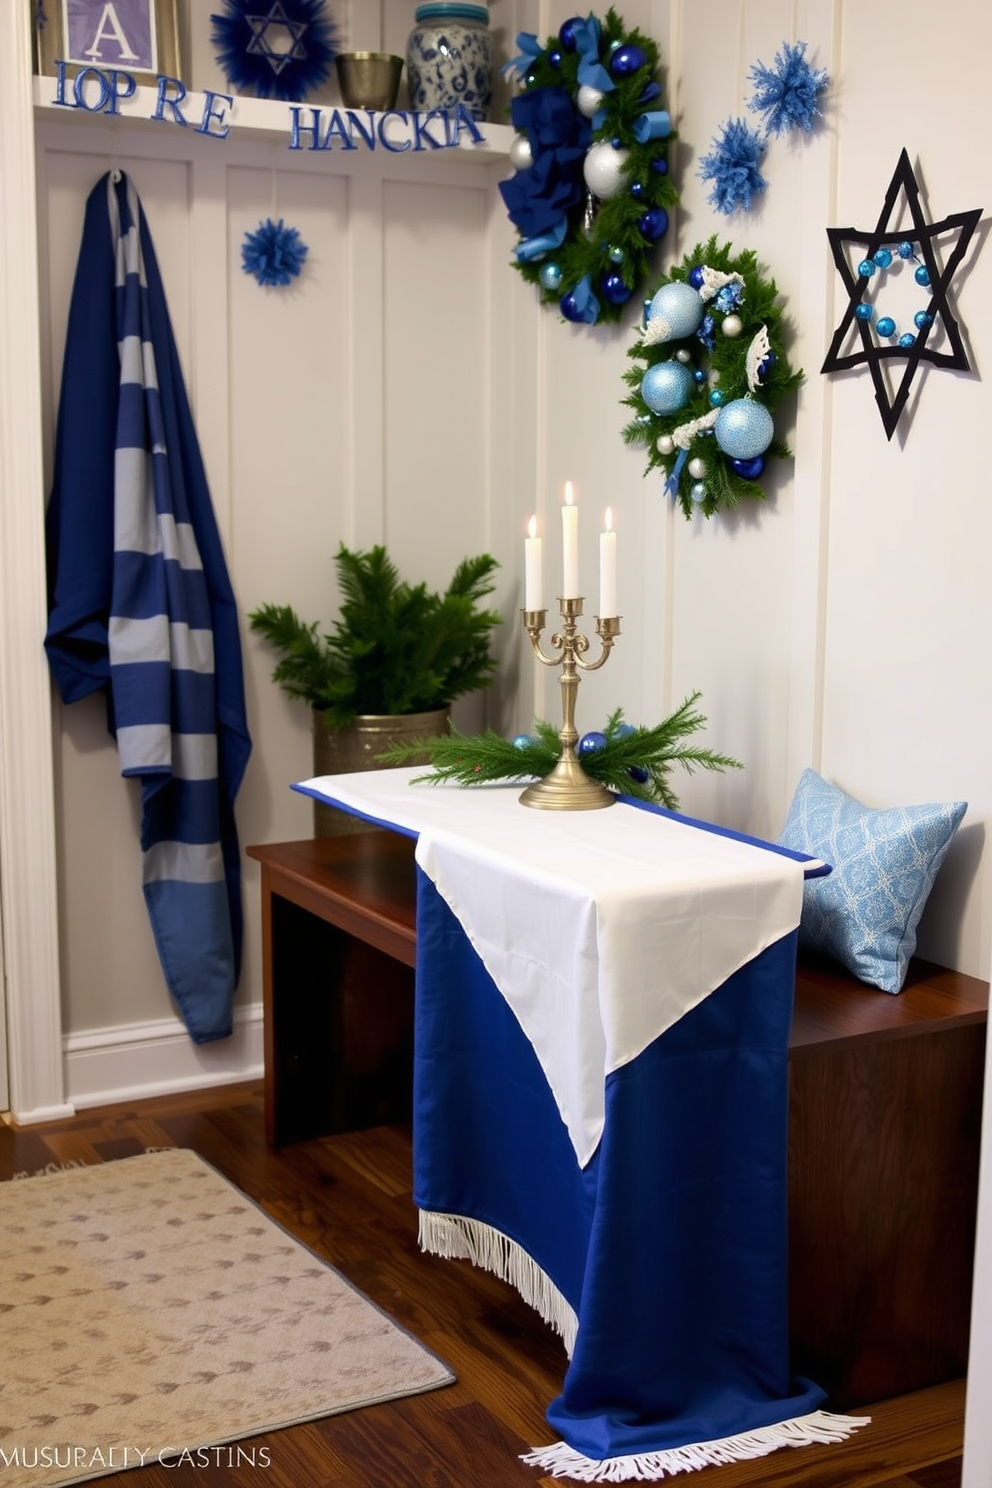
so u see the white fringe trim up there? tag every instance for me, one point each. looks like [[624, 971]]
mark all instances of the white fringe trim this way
[[457, 1238], [562, 1461]]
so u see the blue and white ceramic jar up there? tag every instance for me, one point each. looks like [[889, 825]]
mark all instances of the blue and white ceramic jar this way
[[449, 59]]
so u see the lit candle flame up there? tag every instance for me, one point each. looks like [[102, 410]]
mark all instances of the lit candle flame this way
[[609, 519], [532, 526], [568, 493]]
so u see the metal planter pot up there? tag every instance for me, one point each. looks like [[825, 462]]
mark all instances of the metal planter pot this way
[[339, 751]]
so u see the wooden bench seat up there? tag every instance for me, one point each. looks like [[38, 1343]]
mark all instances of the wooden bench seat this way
[[885, 1098]]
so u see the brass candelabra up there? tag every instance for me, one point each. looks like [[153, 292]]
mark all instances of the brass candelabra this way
[[568, 787]]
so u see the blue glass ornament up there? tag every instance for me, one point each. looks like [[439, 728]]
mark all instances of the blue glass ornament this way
[[550, 276], [554, 58], [882, 257], [921, 320], [524, 741], [697, 278], [905, 250], [697, 492], [614, 289], [886, 326], [666, 387], [627, 60], [699, 377], [638, 773], [615, 254], [566, 32], [660, 165], [744, 429], [676, 311], [624, 730], [907, 340], [866, 268], [570, 308], [590, 743], [766, 364], [748, 469], [716, 398], [616, 142], [864, 311], [922, 275], [637, 190], [653, 225]]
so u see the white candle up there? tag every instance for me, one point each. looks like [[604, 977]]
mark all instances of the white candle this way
[[608, 570], [570, 546], [533, 599]]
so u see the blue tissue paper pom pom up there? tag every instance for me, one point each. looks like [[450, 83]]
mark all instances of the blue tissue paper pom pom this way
[[274, 253]]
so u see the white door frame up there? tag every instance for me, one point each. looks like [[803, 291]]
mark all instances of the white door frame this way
[[28, 883]]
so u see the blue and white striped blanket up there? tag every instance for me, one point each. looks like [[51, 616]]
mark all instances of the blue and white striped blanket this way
[[141, 604]]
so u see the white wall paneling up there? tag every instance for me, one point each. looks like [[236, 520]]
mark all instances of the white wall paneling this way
[[28, 903]]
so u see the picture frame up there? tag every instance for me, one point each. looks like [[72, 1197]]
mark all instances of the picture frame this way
[[140, 37]]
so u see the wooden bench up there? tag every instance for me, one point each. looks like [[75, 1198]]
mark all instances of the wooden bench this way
[[885, 1100]]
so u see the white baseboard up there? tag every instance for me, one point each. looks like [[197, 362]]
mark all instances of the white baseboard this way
[[130, 1061]]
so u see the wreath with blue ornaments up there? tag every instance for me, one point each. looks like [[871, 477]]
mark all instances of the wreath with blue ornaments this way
[[715, 370], [591, 192]]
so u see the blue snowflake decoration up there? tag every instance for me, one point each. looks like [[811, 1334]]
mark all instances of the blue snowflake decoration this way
[[275, 48], [786, 95], [732, 166], [274, 253]]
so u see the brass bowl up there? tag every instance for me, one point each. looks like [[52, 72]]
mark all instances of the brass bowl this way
[[369, 80]]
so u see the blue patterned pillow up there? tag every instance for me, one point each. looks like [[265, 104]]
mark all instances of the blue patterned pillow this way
[[866, 911]]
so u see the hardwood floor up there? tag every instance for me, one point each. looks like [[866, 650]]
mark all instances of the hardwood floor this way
[[348, 1197]]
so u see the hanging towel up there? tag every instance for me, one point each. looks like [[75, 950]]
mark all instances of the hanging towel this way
[[141, 604]]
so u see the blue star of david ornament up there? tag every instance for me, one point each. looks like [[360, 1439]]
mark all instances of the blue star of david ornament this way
[[274, 48]]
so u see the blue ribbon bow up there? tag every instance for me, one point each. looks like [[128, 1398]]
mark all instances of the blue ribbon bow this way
[[672, 483], [592, 73], [530, 48], [538, 246], [655, 124]]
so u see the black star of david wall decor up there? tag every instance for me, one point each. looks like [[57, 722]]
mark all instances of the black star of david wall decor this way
[[899, 248]]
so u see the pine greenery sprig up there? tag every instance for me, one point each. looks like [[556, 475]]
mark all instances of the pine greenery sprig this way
[[396, 648], [651, 753]]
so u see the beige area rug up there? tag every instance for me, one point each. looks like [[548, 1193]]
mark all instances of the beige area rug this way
[[149, 1309]]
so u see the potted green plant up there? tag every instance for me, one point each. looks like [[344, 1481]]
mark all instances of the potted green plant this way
[[389, 669]]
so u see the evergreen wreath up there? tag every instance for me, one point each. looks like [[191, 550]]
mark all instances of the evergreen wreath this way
[[591, 193], [630, 761], [715, 371]]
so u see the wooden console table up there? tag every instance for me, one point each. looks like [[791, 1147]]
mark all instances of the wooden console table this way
[[885, 1107]]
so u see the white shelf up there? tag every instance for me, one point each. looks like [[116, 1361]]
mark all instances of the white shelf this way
[[271, 121]]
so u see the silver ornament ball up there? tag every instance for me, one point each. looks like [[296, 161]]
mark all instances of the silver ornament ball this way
[[732, 325], [697, 468], [665, 444], [521, 154], [602, 169], [588, 100]]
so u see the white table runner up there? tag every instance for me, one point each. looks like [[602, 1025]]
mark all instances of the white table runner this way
[[600, 928]]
